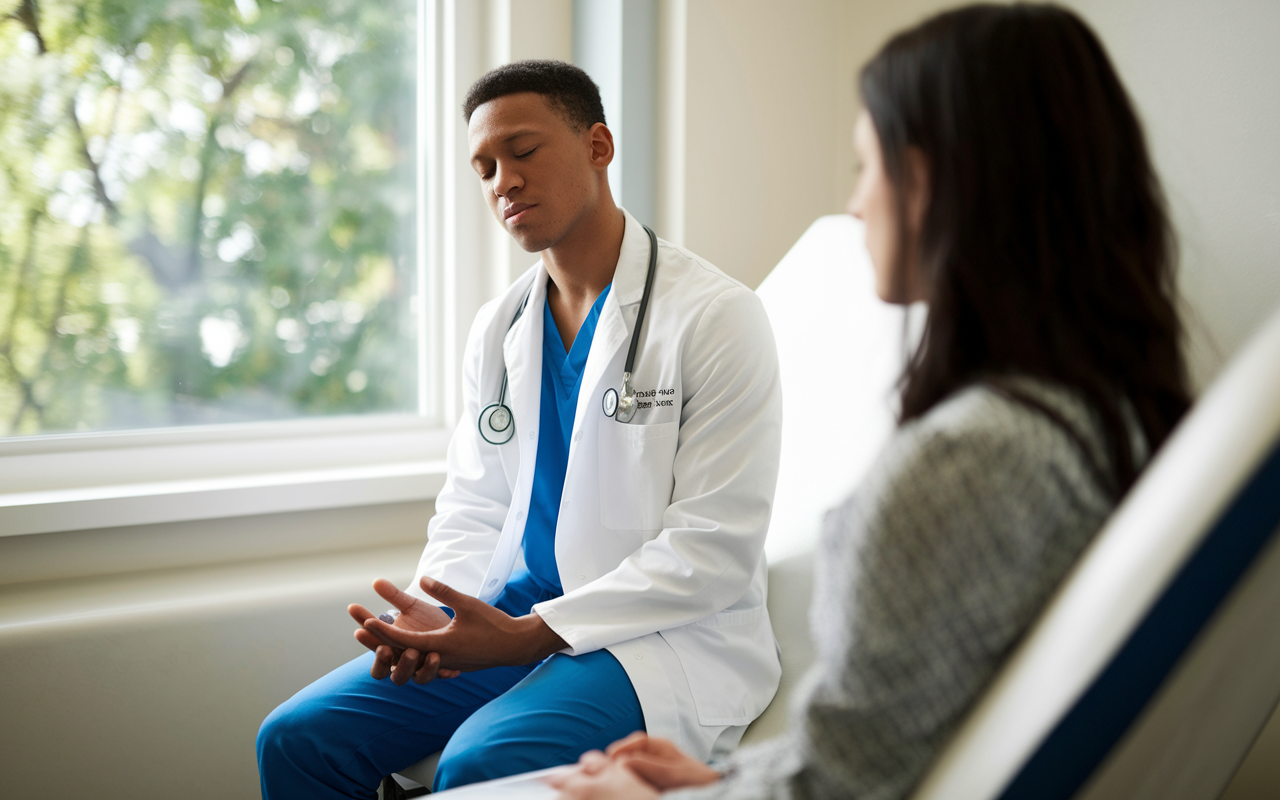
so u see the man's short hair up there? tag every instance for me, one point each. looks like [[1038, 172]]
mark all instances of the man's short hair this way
[[567, 88]]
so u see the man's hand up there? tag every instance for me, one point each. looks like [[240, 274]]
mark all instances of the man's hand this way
[[660, 763], [478, 637], [389, 657]]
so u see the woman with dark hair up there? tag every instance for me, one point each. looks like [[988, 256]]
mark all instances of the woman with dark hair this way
[[1006, 184]]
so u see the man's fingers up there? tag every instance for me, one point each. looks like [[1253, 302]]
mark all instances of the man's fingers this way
[[444, 593], [391, 593], [427, 672], [359, 613], [401, 638], [448, 673], [405, 667], [382, 660], [368, 639], [372, 640]]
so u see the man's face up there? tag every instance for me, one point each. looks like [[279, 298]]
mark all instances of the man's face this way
[[539, 175]]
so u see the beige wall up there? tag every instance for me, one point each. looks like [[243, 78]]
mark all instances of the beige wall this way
[[138, 662], [761, 128], [768, 102], [757, 103]]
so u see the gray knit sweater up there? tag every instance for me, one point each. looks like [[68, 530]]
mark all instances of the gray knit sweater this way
[[926, 577]]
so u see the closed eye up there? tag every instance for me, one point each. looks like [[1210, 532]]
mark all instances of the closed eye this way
[[526, 153]]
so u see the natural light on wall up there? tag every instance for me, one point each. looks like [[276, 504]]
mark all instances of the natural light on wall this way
[[207, 212]]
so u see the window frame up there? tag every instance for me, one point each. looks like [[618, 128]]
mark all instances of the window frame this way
[[80, 481]]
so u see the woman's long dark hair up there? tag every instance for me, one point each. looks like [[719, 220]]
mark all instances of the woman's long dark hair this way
[[1045, 246]]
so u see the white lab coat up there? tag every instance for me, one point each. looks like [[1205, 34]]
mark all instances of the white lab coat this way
[[662, 523]]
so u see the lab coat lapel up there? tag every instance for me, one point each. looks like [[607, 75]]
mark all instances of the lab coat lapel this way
[[522, 350], [613, 329]]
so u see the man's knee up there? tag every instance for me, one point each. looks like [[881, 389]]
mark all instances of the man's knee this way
[[286, 735], [468, 760], [467, 765]]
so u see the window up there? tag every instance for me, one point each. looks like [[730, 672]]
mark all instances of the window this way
[[293, 338], [208, 212]]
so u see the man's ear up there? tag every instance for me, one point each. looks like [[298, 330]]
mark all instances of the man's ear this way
[[600, 139], [917, 188]]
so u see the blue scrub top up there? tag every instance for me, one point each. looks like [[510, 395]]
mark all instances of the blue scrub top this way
[[538, 579]]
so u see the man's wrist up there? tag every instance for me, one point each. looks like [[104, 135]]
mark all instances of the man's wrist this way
[[539, 639]]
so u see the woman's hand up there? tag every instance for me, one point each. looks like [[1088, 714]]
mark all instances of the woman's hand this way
[[599, 778], [391, 658], [479, 636], [638, 767], [660, 763]]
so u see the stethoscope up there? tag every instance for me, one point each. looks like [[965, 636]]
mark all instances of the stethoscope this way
[[497, 423]]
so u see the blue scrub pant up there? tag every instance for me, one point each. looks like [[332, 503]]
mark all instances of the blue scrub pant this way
[[340, 736]]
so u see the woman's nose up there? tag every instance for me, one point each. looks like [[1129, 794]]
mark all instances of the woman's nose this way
[[854, 207]]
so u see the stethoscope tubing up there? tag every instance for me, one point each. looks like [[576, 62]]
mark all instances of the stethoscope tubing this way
[[620, 406], [629, 366]]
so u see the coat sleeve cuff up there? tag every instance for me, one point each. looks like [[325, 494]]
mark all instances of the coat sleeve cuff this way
[[576, 639]]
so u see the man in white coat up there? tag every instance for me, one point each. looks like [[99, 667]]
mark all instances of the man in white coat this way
[[591, 575]]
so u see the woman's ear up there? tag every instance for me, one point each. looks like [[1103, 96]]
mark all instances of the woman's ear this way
[[916, 188]]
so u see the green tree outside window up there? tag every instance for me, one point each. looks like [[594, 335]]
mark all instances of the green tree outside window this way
[[206, 211]]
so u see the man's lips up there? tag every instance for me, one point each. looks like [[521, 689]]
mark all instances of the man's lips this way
[[515, 209]]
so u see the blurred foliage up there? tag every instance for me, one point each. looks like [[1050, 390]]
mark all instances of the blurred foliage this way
[[206, 211]]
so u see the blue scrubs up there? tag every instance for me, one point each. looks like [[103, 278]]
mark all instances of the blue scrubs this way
[[342, 734]]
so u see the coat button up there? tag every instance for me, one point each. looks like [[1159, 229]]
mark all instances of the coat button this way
[[493, 583], [532, 433], [582, 577], [519, 515]]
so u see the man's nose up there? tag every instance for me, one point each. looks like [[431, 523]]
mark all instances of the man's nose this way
[[506, 180]]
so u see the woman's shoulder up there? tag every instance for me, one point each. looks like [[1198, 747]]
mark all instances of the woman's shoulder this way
[[1017, 414], [1008, 407], [981, 482], [995, 438]]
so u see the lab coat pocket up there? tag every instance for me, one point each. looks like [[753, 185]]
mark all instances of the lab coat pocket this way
[[730, 662], [636, 475]]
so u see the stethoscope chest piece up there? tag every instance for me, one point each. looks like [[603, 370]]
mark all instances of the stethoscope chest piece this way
[[626, 404], [496, 424], [610, 402], [626, 409]]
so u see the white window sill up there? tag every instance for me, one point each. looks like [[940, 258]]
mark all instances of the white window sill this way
[[55, 484]]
